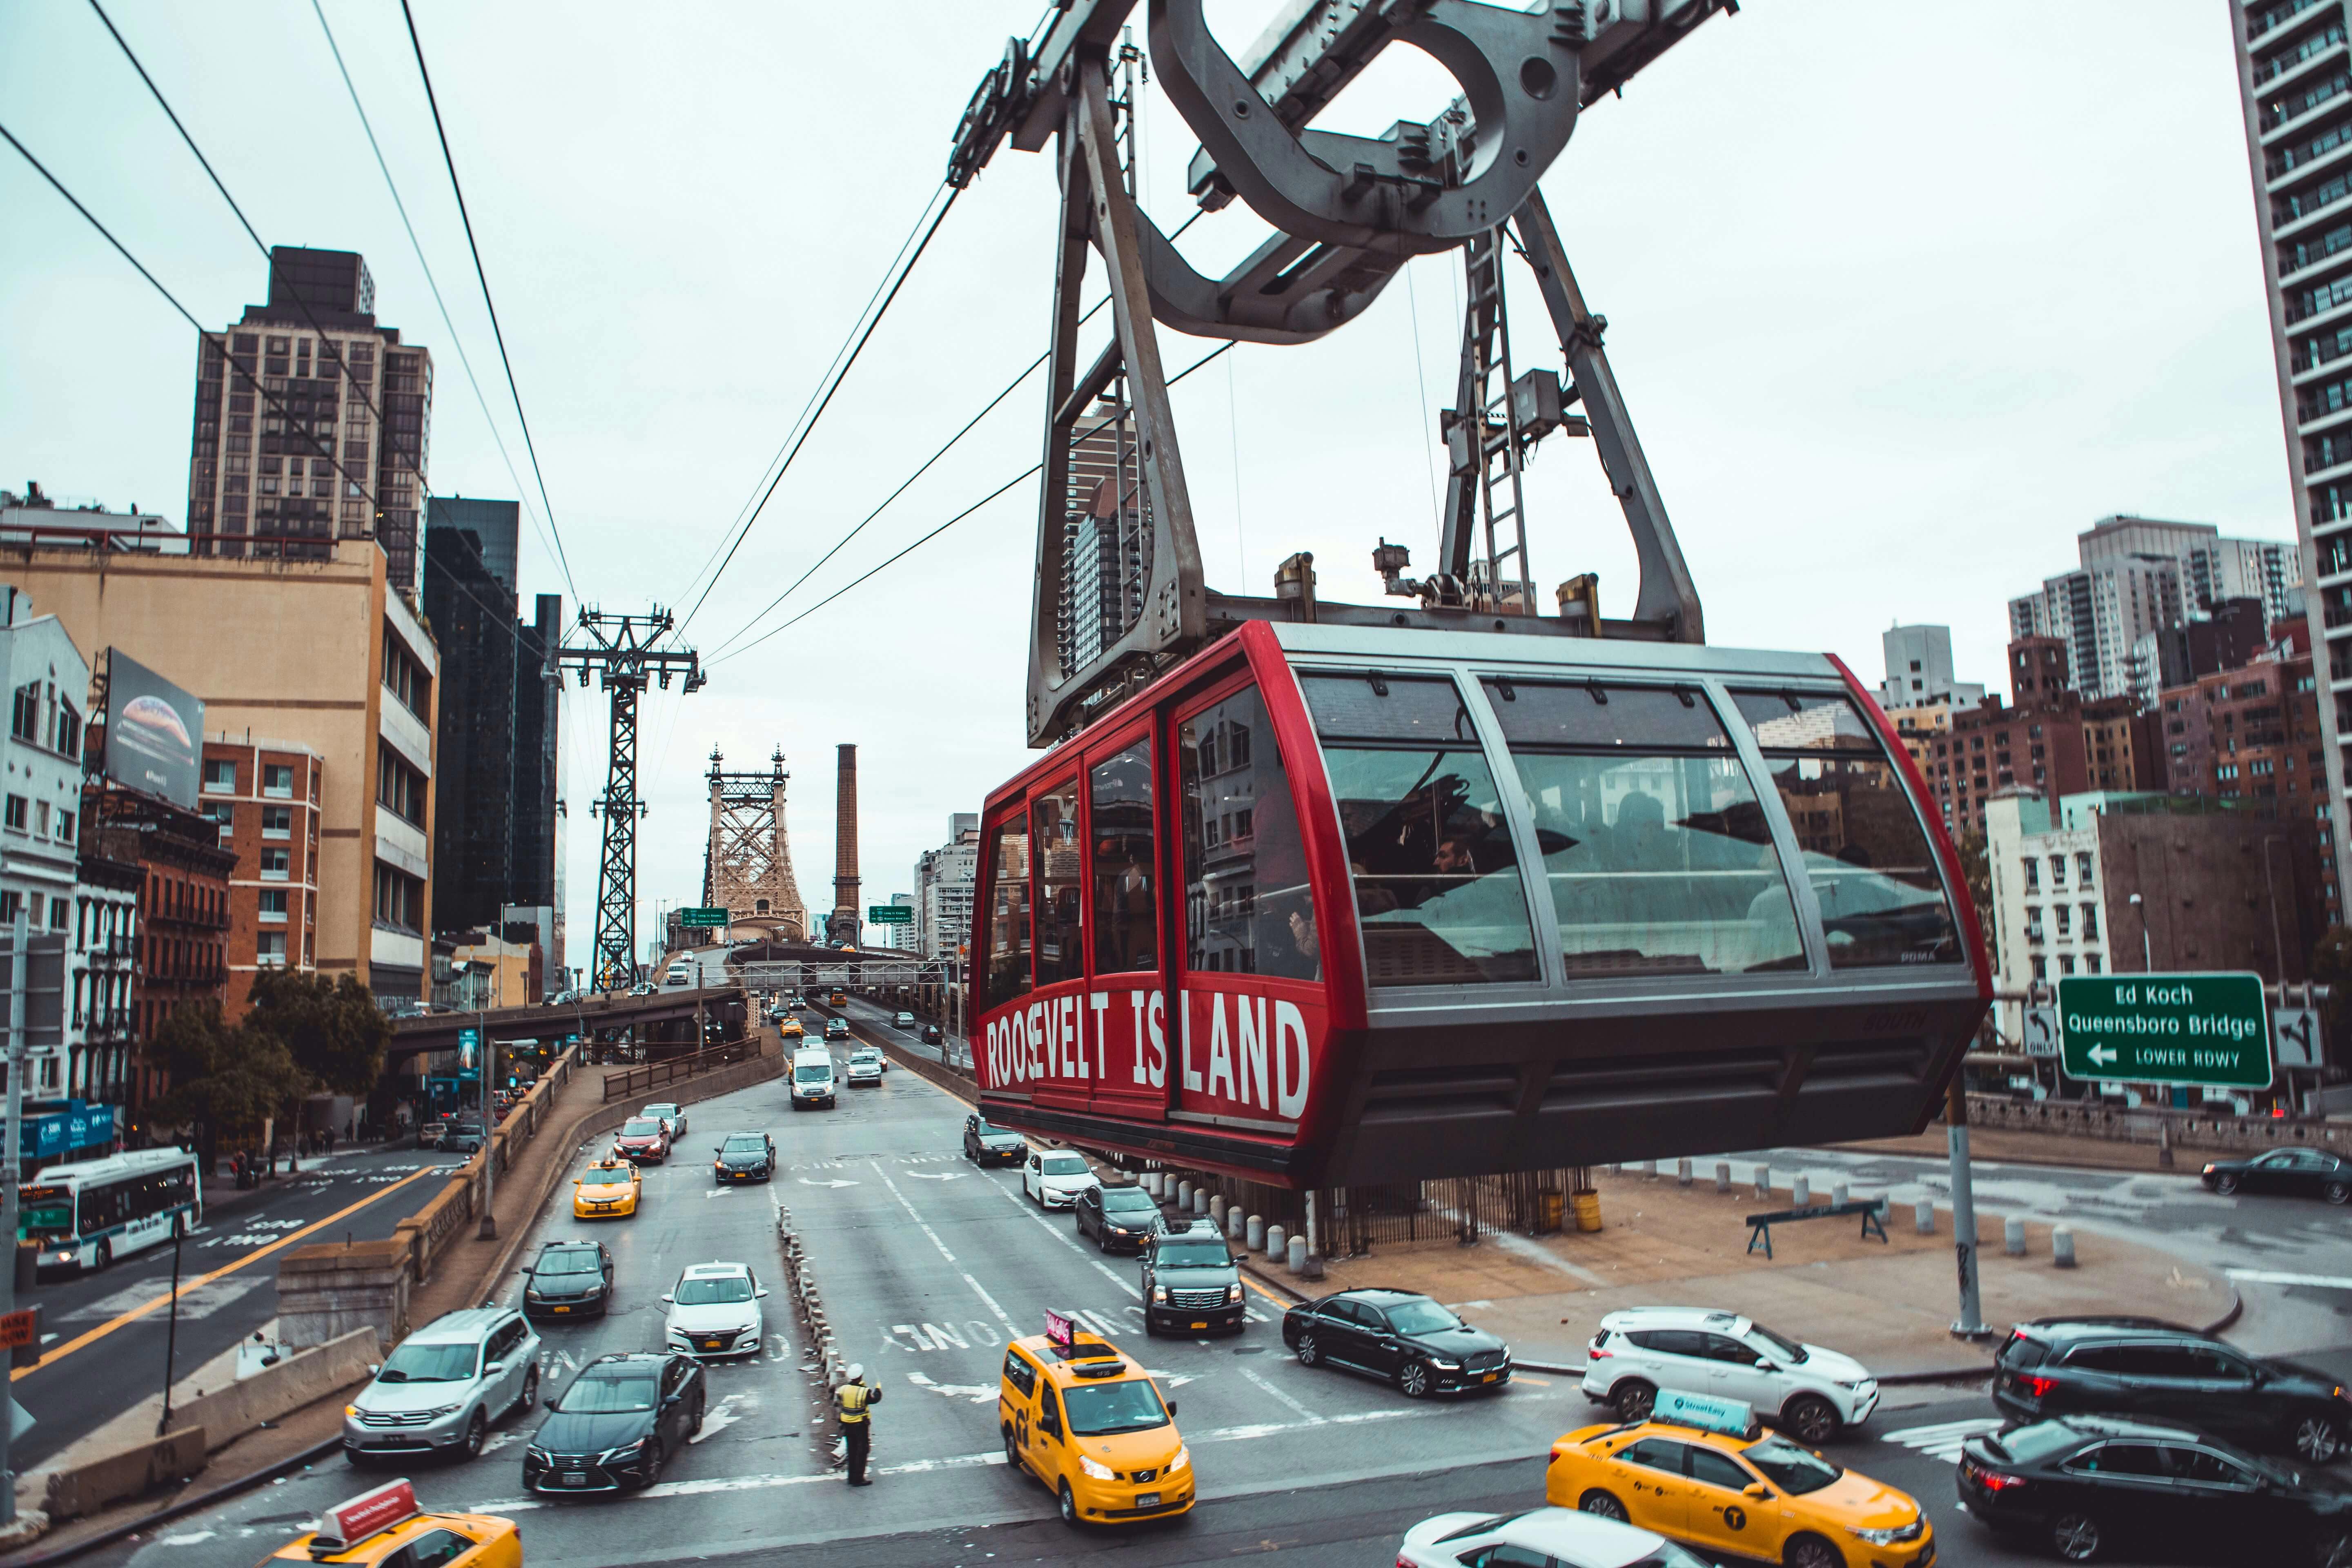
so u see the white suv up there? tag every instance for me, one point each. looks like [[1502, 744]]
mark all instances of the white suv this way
[[1808, 1390]]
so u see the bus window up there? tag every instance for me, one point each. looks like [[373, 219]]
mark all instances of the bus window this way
[[1008, 912], [1437, 880], [1061, 868], [1652, 836], [1247, 906], [1127, 917], [1865, 853]]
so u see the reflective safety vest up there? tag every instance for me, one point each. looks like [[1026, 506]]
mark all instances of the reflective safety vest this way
[[849, 1402]]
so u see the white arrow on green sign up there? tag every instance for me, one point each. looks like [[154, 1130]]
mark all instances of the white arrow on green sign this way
[[2211, 1030]]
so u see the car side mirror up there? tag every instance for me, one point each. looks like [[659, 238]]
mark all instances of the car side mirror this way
[[760, 1292], [1758, 1491], [373, 1367], [494, 1368], [1763, 1364], [1172, 1407], [671, 1299], [550, 1402]]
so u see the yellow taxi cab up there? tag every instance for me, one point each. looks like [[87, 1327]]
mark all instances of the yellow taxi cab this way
[[1703, 1471], [609, 1190], [1089, 1422], [790, 1029], [381, 1527]]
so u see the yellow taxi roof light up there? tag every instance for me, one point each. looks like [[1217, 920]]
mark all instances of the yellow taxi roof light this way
[[1706, 1412]]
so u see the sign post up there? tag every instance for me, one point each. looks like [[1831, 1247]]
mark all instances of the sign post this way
[[2209, 1031]]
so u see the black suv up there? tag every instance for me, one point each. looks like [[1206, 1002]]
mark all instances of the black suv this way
[[1190, 1282], [569, 1279], [1397, 1336], [2148, 1370], [618, 1424], [2089, 1484], [1121, 1219]]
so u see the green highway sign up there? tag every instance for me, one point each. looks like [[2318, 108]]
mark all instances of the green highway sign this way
[[890, 914], [702, 917], [2179, 1030]]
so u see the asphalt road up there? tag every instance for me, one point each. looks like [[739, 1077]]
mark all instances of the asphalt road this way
[[119, 1359]]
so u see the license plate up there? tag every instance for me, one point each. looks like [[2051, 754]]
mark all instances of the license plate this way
[[563, 1309], [1201, 1325], [1490, 1377], [1146, 1500], [710, 1344], [575, 1477]]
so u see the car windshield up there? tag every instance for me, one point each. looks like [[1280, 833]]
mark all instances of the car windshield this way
[[2030, 1445], [710, 1292], [610, 1175], [1194, 1255], [571, 1260], [990, 1129], [640, 1127], [1126, 1200], [659, 1111], [751, 1145], [607, 1395], [813, 1072], [1422, 1318], [1063, 1166], [1796, 1471], [413, 1363], [1098, 1410], [1789, 1350]]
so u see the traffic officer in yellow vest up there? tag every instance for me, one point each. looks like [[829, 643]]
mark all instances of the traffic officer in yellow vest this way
[[852, 1402]]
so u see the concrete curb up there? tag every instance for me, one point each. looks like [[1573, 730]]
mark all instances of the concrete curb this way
[[182, 1508]]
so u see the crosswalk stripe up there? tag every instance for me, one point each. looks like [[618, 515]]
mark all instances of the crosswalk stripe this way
[[1942, 1440]]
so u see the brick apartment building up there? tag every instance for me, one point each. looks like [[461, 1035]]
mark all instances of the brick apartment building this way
[[2051, 741], [182, 883], [263, 798]]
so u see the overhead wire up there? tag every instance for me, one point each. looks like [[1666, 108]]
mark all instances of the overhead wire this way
[[499, 334]]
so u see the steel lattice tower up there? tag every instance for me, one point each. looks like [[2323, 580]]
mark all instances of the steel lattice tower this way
[[619, 649]]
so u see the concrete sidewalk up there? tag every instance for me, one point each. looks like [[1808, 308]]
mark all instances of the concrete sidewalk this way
[[1890, 1305]]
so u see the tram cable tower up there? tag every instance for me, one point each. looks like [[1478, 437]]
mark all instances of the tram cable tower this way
[[618, 651], [1349, 212]]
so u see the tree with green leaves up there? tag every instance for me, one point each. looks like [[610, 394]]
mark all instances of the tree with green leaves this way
[[226, 1080], [331, 1029]]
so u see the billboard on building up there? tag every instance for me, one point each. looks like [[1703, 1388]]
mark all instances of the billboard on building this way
[[154, 732]]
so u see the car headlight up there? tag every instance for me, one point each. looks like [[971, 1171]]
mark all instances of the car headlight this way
[[1883, 1537], [537, 1453], [351, 1410], [1100, 1472], [440, 1410], [1159, 1292], [1183, 1461], [1852, 1383], [1444, 1365], [621, 1455], [1119, 1230], [1234, 1291]]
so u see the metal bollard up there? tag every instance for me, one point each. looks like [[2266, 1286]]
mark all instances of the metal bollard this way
[[1254, 1232], [2061, 1246], [1234, 1222], [1802, 1194], [1277, 1243], [1646, 1168], [1681, 1173], [2012, 1237], [1838, 1193], [1200, 1201], [1723, 1175], [1922, 1217], [1298, 1255], [1763, 1181]]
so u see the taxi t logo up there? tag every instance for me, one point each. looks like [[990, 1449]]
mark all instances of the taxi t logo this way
[[1734, 1518]]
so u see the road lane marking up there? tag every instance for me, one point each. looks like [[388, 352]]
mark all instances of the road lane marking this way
[[100, 1333], [1266, 1293], [978, 1393], [1021, 1202], [2272, 1277], [978, 1289], [1281, 1396], [1945, 1439]]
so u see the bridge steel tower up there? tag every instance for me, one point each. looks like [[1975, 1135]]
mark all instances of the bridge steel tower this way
[[618, 650], [748, 868]]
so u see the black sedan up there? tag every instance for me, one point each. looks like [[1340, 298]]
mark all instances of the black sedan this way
[[1121, 1219], [2091, 1486], [570, 1279], [1399, 1337], [618, 1424], [985, 1144], [745, 1157], [2288, 1173]]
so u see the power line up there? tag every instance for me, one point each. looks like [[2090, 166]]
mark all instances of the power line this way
[[862, 337], [450, 161], [434, 284]]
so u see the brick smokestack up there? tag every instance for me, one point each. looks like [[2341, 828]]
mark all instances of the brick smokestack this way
[[844, 926]]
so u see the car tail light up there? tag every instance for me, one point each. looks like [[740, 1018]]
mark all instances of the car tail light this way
[[1996, 1481], [2034, 1387], [1597, 1353]]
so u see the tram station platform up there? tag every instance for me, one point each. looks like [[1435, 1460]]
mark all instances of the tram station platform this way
[[1890, 1306]]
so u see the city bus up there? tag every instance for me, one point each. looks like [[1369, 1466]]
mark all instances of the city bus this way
[[87, 1215]]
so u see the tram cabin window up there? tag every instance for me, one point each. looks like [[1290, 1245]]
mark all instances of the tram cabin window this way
[[1865, 853], [1127, 922], [1061, 869], [1437, 882], [1247, 906], [1008, 910], [1653, 837]]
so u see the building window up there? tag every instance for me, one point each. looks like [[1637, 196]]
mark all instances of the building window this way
[[2090, 964], [269, 950], [274, 863], [399, 787], [277, 781], [24, 720], [220, 776], [61, 913], [226, 815], [2032, 874], [17, 809], [2066, 920], [65, 738], [2084, 877], [277, 822], [65, 827], [2057, 870], [399, 900], [2090, 923], [41, 818], [2065, 964], [2041, 968], [273, 905]]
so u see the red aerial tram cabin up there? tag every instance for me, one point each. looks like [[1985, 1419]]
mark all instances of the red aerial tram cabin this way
[[1328, 904]]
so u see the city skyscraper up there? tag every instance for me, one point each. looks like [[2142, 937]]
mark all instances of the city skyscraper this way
[[496, 524], [2296, 87], [342, 453]]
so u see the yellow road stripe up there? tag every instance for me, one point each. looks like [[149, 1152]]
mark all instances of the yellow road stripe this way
[[1281, 1301], [258, 1254], [1525, 1377]]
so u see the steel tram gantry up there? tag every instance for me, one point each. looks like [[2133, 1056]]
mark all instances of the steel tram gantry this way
[[619, 649]]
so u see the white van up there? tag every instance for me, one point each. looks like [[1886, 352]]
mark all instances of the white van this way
[[680, 974], [812, 1081]]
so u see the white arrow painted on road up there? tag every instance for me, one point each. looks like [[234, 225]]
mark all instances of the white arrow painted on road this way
[[1174, 1380], [806, 1182], [720, 1193], [934, 1176], [2101, 1055], [978, 1393], [717, 1421]]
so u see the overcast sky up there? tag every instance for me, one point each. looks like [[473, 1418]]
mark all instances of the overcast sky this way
[[1901, 298]]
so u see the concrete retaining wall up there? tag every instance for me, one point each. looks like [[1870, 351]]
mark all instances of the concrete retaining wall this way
[[2205, 1130], [126, 1473], [229, 1413]]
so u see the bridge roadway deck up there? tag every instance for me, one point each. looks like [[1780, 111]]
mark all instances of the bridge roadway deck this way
[[438, 1031]]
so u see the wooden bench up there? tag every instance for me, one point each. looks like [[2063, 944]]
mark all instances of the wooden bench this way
[[1870, 1209]]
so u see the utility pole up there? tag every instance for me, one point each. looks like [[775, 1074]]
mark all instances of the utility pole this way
[[619, 649], [1969, 1324], [20, 936], [489, 1231]]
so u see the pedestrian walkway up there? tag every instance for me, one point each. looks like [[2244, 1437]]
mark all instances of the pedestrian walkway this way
[[1889, 1304]]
